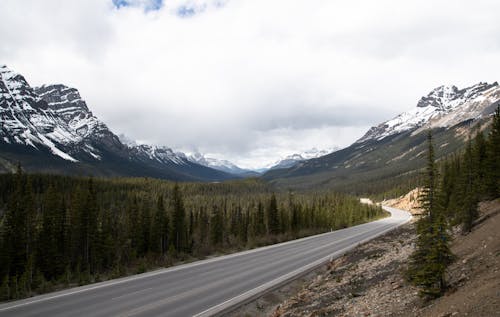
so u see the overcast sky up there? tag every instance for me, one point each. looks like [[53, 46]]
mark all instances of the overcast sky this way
[[250, 80]]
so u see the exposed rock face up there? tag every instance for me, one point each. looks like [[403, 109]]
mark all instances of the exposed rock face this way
[[444, 106], [408, 202], [55, 119]]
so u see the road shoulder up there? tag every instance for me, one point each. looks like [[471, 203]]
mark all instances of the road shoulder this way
[[368, 280]]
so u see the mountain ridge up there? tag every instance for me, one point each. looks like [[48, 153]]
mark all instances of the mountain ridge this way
[[440, 102], [393, 150], [51, 129]]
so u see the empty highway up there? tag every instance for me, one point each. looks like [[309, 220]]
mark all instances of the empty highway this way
[[207, 287]]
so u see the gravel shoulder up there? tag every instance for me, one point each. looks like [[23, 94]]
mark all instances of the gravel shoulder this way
[[368, 281]]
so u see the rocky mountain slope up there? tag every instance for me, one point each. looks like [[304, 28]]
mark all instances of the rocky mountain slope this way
[[443, 107], [395, 147], [51, 129]]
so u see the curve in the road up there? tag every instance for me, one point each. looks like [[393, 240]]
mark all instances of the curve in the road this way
[[207, 287]]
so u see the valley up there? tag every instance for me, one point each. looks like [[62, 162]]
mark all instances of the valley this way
[[82, 205], [249, 158]]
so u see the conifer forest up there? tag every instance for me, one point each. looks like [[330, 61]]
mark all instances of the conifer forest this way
[[58, 231], [451, 192]]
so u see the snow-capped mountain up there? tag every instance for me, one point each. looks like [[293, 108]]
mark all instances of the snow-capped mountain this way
[[54, 117], [294, 159], [160, 154], [221, 165], [397, 148], [50, 128], [444, 107]]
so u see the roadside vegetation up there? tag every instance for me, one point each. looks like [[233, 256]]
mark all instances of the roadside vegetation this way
[[451, 197], [59, 231]]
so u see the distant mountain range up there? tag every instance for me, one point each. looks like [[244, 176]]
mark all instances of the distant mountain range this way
[[397, 147], [229, 167], [294, 159], [221, 165], [51, 129]]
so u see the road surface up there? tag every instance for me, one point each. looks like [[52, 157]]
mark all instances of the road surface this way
[[207, 287]]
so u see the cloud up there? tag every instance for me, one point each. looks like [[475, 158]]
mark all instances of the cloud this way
[[251, 80], [147, 5]]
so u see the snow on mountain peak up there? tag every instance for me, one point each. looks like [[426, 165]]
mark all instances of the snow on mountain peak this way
[[161, 154], [218, 164], [294, 159], [52, 116], [444, 106]]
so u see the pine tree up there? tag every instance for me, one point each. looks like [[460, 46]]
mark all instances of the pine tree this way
[[260, 226], [178, 232], [160, 229], [48, 249], [146, 228], [480, 161], [272, 216], [216, 226], [468, 194], [294, 210], [428, 197], [5, 289], [15, 238], [432, 254], [493, 157]]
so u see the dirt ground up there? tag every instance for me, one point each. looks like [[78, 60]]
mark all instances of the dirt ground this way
[[475, 276], [368, 280]]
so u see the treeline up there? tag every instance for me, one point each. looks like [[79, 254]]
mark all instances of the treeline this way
[[450, 196], [57, 231]]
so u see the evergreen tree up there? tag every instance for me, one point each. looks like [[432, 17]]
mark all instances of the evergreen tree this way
[[16, 226], [469, 201], [493, 157], [272, 216], [294, 210], [178, 233], [480, 161], [146, 228], [432, 254], [5, 289], [428, 196], [260, 226], [50, 260], [216, 226], [160, 228]]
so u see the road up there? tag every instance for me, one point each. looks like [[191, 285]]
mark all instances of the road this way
[[207, 287]]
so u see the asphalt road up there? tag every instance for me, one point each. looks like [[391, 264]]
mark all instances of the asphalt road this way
[[207, 287]]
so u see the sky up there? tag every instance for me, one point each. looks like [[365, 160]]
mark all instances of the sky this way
[[250, 80]]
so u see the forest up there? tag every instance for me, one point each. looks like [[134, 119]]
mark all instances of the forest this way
[[60, 231], [452, 190]]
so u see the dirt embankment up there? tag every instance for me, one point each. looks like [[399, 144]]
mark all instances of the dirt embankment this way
[[368, 281], [407, 202]]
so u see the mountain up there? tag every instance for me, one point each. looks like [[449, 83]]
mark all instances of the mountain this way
[[294, 159], [394, 151], [221, 165], [444, 106], [51, 129]]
